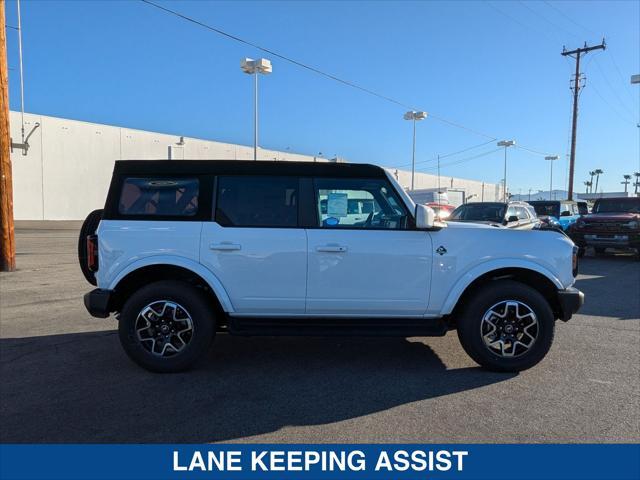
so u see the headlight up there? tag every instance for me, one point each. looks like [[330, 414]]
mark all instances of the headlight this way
[[574, 261], [633, 224], [579, 224]]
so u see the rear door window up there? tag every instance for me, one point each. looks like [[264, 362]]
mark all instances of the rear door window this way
[[258, 201], [175, 197]]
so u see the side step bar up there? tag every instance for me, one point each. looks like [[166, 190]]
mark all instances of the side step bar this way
[[384, 327]]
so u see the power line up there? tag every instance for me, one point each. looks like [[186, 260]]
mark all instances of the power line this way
[[531, 150], [314, 69], [624, 82], [464, 160], [515, 20], [348, 83], [275, 54], [451, 154], [555, 26], [609, 51], [606, 79], [613, 109], [570, 19]]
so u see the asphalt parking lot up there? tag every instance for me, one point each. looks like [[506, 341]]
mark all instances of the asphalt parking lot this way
[[64, 377]]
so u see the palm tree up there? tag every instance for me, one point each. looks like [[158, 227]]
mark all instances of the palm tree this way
[[627, 178], [637, 184], [592, 173], [598, 172], [588, 184]]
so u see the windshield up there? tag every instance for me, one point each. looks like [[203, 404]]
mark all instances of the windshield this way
[[550, 209], [617, 205], [479, 213], [583, 209]]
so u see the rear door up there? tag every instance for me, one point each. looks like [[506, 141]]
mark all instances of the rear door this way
[[254, 245], [365, 265]]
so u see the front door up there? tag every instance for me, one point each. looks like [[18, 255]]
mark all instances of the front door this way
[[254, 245], [364, 259]]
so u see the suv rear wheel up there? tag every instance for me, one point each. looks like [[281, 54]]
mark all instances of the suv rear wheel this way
[[166, 326], [506, 326]]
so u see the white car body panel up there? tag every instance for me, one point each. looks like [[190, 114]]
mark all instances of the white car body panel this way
[[473, 250], [126, 246], [373, 272], [263, 270]]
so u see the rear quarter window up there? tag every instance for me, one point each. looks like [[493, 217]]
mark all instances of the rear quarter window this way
[[172, 197]]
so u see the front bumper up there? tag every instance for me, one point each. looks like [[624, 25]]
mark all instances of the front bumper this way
[[601, 239], [98, 302], [570, 300]]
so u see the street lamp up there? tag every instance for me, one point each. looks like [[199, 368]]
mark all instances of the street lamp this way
[[415, 116], [254, 67], [505, 144], [551, 158]]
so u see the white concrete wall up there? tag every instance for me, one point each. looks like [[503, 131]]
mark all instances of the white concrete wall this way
[[67, 170], [477, 190]]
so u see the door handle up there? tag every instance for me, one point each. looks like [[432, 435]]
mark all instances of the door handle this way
[[227, 247], [331, 248]]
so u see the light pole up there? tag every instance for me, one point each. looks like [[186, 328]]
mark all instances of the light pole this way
[[415, 116], [254, 67], [506, 144], [551, 158]]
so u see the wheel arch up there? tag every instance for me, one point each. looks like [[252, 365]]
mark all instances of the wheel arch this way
[[546, 284], [149, 270]]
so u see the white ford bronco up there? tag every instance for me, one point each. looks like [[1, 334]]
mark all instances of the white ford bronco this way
[[185, 249]]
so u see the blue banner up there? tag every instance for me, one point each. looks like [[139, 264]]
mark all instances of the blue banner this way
[[336, 461]]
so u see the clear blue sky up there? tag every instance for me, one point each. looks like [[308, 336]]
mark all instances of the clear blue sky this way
[[494, 67]]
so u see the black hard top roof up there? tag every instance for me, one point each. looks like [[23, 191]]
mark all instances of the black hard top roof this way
[[246, 167], [620, 199]]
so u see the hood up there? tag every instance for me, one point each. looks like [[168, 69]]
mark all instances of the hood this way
[[610, 217]]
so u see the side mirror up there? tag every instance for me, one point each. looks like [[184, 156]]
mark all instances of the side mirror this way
[[566, 213], [425, 217], [512, 218]]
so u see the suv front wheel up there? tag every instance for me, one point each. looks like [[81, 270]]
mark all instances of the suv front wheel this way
[[506, 326], [166, 326]]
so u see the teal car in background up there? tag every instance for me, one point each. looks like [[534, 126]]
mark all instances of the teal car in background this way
[[563, 212]]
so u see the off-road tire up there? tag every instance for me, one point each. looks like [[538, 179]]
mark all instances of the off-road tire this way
[[195, 303], [469, 325], [89, 227]]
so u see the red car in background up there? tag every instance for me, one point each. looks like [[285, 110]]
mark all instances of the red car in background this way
[[612, 223]]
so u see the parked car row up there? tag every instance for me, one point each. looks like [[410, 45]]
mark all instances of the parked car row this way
[[612, 223]]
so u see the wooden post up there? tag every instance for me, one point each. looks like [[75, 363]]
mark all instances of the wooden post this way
[[7, 234]]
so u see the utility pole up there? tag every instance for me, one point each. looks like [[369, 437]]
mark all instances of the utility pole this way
[[576, 93], [7, 234], [627, 180]]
